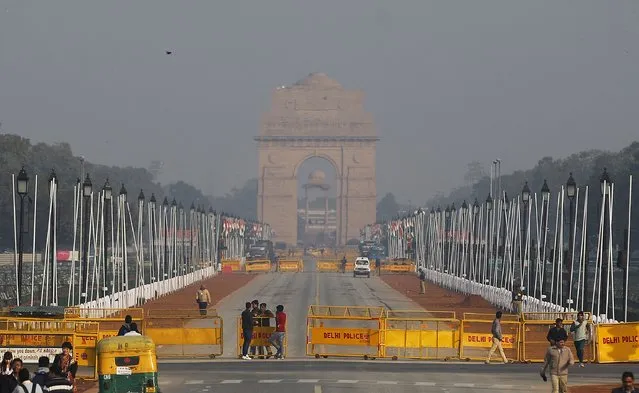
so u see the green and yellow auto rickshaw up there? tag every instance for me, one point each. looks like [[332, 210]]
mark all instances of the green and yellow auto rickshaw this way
[[127, 364]]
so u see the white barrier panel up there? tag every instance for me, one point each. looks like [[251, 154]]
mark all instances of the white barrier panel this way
[[146, 292]]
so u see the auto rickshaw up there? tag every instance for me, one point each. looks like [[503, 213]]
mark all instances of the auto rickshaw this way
[[127, 364]]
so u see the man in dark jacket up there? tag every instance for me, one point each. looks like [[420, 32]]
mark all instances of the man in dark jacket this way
[[627, 384], [41, 376], [57, 382], [126, 327], [247, 330], [557, 332], [265, 318]]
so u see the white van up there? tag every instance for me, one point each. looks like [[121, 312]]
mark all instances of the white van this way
[[362, 267]]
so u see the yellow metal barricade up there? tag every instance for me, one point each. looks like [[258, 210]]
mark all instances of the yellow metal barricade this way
[[398, 268], [477, 339], [30, 338], [617, 343], [288, 265], [535, 329], [260, 344], [181, 333], [109, 319], [261, 266], [344, 331], [419, 334], [329, 265], [232, 265]]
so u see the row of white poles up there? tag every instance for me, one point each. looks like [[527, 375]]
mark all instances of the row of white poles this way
[[119, 250], [503, 245]]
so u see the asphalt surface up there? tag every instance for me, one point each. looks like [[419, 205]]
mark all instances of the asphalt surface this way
[[296, 292], [289, 376]]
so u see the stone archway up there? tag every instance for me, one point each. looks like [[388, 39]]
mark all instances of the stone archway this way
[[316, 117]]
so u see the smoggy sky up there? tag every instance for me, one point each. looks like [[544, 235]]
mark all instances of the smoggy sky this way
[[447, 81]]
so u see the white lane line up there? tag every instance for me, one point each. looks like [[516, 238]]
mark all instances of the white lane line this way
[[317, 389], [232, 381], [194, 382], [425, 384], [269, 381], [387, 382], [464, 385], [307, 380], [347, 380]]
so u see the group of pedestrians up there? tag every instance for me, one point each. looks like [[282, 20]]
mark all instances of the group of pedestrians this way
[[257, 315], [58, 376]]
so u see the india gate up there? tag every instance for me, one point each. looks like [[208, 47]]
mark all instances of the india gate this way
[[316, 117]]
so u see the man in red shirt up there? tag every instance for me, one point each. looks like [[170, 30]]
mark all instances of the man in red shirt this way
[[277, 337]]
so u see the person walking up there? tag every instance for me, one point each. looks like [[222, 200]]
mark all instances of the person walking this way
[[422, 281], [627, 384], [247, 330], [497, 339], [557, 360], [581, 335], [203, 299], [277, 338], [557, 332]]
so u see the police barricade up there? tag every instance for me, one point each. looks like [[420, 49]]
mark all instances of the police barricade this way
[[329, 265], [389, 267], [231, 265], [535, 327], [618, 342], [260, 346], [30, 338], [109, 319], [344, 331], [290, 265], [259, 266], [477, 339], [421, 335], [185, 333]]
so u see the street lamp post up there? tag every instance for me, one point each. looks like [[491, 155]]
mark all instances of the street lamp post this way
[[525, 198], [504, 208], [191, 226], [124, 269], [23, 189], [545, 197], [53, 179], [475, 235], [466, 269], [174, 238], [489, 240], [140, 269], [571, 192], [87, 189], [606, 183], [152, 247], [165, 208], [107, 191]]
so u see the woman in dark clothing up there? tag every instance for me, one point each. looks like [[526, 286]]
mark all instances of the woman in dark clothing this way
[[5, 369]]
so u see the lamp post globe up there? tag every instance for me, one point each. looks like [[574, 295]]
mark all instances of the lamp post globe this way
[[464, 207], [545, 191], [453, 208], [165, 203], [152, 200], [87, 187], [123, 192], [525, 193], [489, 203], [53, 177], [107, 190], [23, 182], [571, 187], [475, 207], [141, 196], [605, 182], [447, 211], [506, 202]]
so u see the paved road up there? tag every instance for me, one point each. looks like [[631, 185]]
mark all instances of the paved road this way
[[297, 291], [328, 376]]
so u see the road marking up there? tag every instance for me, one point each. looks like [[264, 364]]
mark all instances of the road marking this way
[[307, 380], [348, 381], [232, 381], [464, 385], [269, 381], [317, 389], [195, 382], [425, 384], [387, 382]]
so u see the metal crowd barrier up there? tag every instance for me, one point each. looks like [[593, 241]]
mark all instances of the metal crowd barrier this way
[[329, 265], [344, 331], [259, 266], [232, 265], [290, 265]]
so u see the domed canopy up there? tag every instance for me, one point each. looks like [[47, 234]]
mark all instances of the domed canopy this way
[[317, 177], [318, 79]]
